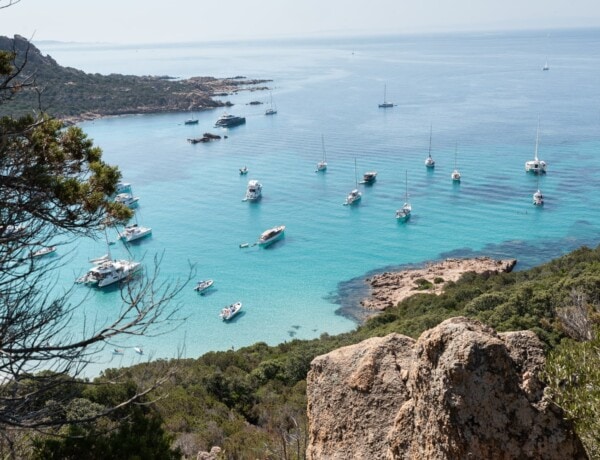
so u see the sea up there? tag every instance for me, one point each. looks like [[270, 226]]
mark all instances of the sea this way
[[474, 101]]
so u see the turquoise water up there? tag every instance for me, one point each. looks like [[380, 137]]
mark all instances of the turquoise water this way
[[481, 94]]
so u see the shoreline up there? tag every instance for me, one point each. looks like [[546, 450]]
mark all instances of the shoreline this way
[[387, 289]]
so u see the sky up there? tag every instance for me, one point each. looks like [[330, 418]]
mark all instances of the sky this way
[[147, 21]]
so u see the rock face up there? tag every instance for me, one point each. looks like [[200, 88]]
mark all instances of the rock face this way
[[461, 391]]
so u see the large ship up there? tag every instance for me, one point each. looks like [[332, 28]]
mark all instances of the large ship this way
[[227, 121]]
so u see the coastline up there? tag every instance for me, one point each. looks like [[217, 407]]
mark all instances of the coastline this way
[[389, 288]]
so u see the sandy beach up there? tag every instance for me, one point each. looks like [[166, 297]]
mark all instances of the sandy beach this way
[[389, 288]]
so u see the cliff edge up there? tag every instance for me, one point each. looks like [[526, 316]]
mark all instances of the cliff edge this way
[[460, 391]]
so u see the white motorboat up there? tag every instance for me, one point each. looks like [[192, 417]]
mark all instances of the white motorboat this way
[[127, 199], [538, 198], [138, 350], [108, 272], [429, 161], [203, 285], [123, 187], [228, 121], [369, 177], [354, 196], [44, 251], [322, 165], [271, 235], [456, 173], [403, 214], [134, 232], [254, 191], [536, 165], [230, 311]]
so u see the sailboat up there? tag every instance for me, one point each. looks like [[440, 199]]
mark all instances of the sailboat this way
[[455, 174], [403, 214], [271, 110], [546, 66], [430, 162], [322, 165], [385, 104], [354, 196], [536, 165]]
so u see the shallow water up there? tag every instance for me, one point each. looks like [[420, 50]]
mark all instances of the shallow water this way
[[480, 94]]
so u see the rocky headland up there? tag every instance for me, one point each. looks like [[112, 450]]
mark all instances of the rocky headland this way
[[73, 95], [390, 288], [460, 391]]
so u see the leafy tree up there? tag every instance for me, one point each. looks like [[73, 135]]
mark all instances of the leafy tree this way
[[573, 377], [54, 187]]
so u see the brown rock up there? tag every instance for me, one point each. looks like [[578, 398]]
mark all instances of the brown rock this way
[[461, 391], [390, 288], [354, 394]]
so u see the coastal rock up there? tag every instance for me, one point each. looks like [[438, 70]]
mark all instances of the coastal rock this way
[[390, 288], [460, 391]]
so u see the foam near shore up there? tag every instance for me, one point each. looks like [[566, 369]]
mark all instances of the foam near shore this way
[[389, 288]]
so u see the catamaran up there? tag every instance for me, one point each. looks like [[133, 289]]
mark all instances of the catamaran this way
[[536, 165]]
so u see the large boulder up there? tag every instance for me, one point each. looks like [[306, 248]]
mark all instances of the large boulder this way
[[460, 391]]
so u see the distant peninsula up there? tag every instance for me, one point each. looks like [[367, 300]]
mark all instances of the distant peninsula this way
[[73, 95]]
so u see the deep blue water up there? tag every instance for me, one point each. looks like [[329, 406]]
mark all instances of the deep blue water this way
[[481, 94]]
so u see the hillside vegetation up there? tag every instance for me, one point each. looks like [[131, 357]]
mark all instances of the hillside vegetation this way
[[73, 95], [251, 402]]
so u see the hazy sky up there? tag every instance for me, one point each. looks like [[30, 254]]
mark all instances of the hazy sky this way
[[150, 21]]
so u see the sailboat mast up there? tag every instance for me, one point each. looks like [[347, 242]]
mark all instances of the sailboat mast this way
[[107, 243], [537, 139], [430, 131], [323, 146], [406, 185], [455, 153], [355, 173]]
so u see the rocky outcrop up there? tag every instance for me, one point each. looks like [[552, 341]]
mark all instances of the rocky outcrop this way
[[390, 288], [460, 391]]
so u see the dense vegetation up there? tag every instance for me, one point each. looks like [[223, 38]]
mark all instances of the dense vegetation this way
[[251, 402], [72, 94]]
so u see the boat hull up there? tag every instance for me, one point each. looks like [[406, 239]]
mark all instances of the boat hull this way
[[229, 312], [270, 236]]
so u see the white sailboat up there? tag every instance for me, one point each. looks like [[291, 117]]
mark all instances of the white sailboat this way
[[546, 66], [403, 214], [536, 165], [430, 162], [322, 165], [354, 196], [456, 173], [385, 103], [271, 110]]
